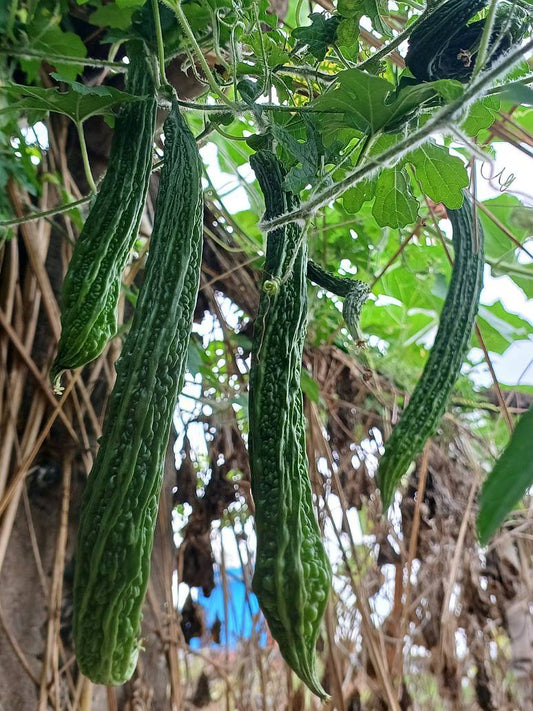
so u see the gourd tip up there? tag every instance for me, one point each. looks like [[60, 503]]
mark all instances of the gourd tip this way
[[55, 379]]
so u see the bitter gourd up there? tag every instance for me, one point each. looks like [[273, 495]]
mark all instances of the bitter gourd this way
[[92, 283], [428, 402], [445, 44], [292, 574], [120, 503], [353, 291]]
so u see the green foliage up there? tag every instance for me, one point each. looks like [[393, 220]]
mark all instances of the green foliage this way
[[500, 328], [509, 480], [369, 104], [42, 34], [318, 36], [503, 216], [441, 175], [394, 204], [79, 104]]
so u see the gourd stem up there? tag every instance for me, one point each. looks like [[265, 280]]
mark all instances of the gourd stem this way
[[46, 213], [175, 5], [340, 286], [65, 59], [160, 45], [11, 18], [85, 158], [485, 39]]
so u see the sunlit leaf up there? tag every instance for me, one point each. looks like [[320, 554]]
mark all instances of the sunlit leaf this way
[[394, 204]]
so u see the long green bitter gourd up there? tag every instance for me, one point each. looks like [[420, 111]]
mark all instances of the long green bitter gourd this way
[[432, 391], [445, 44], [120, 504], [91, 287], [292, 573]]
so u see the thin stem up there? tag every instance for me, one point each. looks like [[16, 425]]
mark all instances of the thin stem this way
[[175, 5], [201, 138], [160, 46], [485, 39], [85, 158], [11, 18], [229, 136], [267, 70], [297, 14], [472, 147], [306, 72], [406, 145], [65, 59], [235, 54], [388, 48], [47, 213], [504, 87]]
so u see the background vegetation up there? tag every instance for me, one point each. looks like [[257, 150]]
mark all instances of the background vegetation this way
[[421, 617]]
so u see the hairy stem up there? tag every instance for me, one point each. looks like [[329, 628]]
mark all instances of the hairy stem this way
[[160, 46], [175, 6], [64, 59]]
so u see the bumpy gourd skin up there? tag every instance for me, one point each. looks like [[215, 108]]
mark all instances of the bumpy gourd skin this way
[[432, 391], [292, 574], [91, 287], [120, 503], [444, 46]]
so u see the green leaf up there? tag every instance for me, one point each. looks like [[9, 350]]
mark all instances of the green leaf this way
[[441, 175], [112, 16], [318, 36], [521, 94], [348, 33], [269, 45], [374, 10], [54, 41], [302, 140], [500, 328], [309, 386], [502, 254], [509, 480], [482, 115], [78, 104], [349, 8], [354, 198], [407, 101], [412, 290], [395, 205], [357, 100], [368, 103]]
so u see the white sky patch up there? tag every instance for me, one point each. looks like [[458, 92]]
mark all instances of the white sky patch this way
[[235, 199]]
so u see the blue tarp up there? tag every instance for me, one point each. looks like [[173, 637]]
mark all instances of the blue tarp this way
[[241, 606]]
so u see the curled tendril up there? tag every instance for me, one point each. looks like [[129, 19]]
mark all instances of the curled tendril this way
[[504, 183], [271, 286]]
